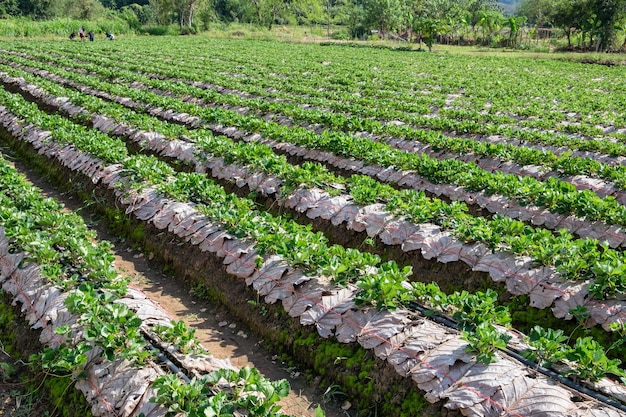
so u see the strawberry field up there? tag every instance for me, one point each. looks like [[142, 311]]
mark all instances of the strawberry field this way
[[458, 221]]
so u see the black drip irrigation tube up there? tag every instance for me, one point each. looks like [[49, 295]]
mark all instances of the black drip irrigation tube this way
[[566, 381], [516, 355], [163, 357]]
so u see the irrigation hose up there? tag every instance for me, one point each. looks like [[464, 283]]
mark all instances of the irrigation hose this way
[[566, 381], [151, 341], [516, 355]]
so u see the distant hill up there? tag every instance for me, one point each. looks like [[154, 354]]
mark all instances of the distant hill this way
[[509, 7]]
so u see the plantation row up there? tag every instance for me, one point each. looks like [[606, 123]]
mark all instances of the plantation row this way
[[605, 215], [379, 90], [109, 337], [527, 241], [542, 91], [440, 230], [561, 197], [347, 117], [520, 276], [320, 303]]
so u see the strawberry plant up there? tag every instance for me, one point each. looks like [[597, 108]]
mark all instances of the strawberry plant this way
[[471, 310], [179, 335], [484, 340], [590, 361], [547, 346], [223, 392], [386, 288], [64, 360]]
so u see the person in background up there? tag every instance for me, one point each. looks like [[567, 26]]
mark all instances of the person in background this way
[[91, 36], [110, 36], [81, 33], [72, 35]]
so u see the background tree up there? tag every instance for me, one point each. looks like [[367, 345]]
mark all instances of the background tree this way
[[163, 11], [82, 9], [9, 8], [186, 10], [489, 22], [428, 28], [462, 24], [50, 9], [39, 9], [569, 16], [607, 15], [356, 20], [477, 7], [307, 12], [383, 15], [538, 12], [235, 10], [596, 20], [137, 15], [515, 25], [339, 10], [269, 12], [443, 18]]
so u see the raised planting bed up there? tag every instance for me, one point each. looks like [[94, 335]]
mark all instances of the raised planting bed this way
[[433, 356], [545, 285], [109, 341], [549, 202]]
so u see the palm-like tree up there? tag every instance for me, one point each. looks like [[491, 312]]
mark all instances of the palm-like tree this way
[[490, 22]]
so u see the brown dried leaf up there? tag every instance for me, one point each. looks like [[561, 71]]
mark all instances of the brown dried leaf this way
[[302, 299], [326, 315], [528, 395], [287, 286], [243, 266], [378, 326], [480, 382], [418, 337]]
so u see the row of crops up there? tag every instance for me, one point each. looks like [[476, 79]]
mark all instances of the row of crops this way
[[415, 205], [108, 336]]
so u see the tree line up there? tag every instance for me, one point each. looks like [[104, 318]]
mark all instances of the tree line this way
[[594, 24]]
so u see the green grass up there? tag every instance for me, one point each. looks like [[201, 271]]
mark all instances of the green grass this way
[[59, 28], [21, 28]]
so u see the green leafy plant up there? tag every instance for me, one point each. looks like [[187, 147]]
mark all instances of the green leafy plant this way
[[112, 326], [179, 335], [547, 346], [590, 361], [385, 288], [484, 340], [472, 310], [64, 360], [221, 393]]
